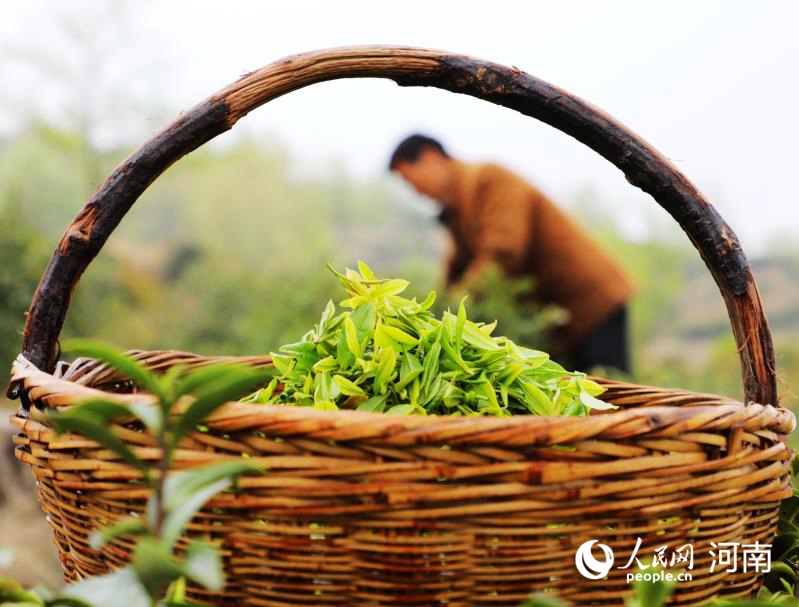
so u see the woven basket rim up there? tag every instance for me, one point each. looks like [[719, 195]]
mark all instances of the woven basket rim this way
[[671, 413]]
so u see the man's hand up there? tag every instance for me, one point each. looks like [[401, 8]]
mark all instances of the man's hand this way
[[472, 275]]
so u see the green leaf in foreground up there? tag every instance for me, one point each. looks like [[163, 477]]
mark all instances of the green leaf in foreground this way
[[235, 381], [120, 589], [187, 491], [116, 358], [122, 528], [155, 567], [203, 564], [92, 421]]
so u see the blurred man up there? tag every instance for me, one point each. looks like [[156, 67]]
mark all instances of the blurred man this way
[[496, 218]]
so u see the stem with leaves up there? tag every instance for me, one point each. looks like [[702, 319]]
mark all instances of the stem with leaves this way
[[171, 407]]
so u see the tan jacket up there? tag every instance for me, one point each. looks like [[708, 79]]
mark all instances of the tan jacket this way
[[496, 217]]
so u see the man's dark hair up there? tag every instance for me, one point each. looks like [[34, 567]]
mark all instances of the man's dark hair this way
[[411, 148]]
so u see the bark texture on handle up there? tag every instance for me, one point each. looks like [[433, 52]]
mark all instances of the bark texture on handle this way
[[641, 164]]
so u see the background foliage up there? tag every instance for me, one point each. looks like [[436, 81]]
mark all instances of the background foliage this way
[[226, 252]]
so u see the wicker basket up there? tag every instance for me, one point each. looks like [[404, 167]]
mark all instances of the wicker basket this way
[[371, 509]]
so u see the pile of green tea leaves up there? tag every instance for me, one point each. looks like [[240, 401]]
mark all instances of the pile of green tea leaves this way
[[387, 353]]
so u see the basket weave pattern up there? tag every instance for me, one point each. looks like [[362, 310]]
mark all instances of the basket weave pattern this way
[[368, 509], [359, 509]]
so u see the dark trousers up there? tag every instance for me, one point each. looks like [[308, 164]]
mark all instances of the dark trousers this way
[[605, 346]]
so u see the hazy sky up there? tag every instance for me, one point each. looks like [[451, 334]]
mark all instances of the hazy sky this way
[[714, 85]]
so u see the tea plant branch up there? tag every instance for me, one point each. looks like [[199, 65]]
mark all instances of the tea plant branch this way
[[175, 496]]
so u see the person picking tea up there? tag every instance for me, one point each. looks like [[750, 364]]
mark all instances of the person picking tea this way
[[496, 218]]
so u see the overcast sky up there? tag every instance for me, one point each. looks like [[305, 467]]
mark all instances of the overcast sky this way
[[714, 85]]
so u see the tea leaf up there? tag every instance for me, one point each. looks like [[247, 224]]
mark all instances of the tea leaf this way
[[402, 410], [182, 512], [475, 337], [385, 370], [113, 357], [460, 324], [376, 404], [346, 386], [430, 366], [154, 566], [351, 336], [236, 380], [344, 356], [203, 564], [389, 288], [120, 588], [124, 527], [410, 369], [180, 486], [90, 422], [366, 271], [399, 336], [594, 403]]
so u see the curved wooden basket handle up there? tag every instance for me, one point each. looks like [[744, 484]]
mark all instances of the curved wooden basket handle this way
[[643, 167]]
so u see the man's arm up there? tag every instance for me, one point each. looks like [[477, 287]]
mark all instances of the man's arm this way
[[454, 267]]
